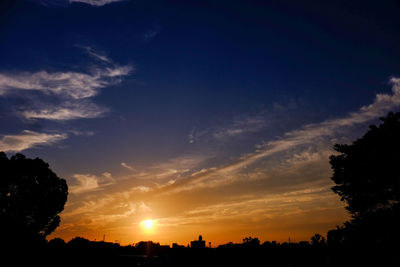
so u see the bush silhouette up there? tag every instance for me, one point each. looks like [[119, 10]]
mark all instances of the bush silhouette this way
[[31, 197]]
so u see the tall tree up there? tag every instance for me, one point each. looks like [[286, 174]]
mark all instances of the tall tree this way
[[367, 178], [31, 197]]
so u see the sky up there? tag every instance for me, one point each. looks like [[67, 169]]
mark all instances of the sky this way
[[208, 117]]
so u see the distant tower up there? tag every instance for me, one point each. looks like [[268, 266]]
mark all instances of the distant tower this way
[[209, 244], [198, 243]]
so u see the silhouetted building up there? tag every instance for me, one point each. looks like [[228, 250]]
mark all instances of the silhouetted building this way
[[176, 246], [148, 247], [198, 243], [251, 241]]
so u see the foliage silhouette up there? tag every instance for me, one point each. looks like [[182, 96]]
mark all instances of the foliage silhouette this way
[[56, 243], [31, 197], [317, 240], [250, 241], [367, 178]]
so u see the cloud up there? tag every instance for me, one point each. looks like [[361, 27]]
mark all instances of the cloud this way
[[195, 134], [243, 125], [246, 125], [51, 3], [141, 188], [96, 2], [268, 206], [71, 85], [150, 34], [67, 111], [28, 139], [90, 182], [307, 156], [240, 126], [81, 133], [178, 166], [86, 183], [97, 55], [310, 134], [72, 91], [329, 128], [123, 164]]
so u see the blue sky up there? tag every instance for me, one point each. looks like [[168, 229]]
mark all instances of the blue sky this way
[[175, 100]]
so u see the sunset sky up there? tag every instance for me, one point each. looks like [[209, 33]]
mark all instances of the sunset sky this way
[[206, 117]]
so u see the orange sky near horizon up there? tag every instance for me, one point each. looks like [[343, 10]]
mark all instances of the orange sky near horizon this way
[[256, 196]]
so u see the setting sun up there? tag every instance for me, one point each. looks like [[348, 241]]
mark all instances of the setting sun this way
[[148, 224]]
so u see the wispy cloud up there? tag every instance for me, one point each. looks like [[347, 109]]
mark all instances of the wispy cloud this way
[[195, 134], [152, 33], [72, 90], [175, 167], [125, 165], [72, 85], [258, 207], [81, 133], [59, 96], [28, 139], [306, 135], [89, 182], [238, 127], [52, 3], [101, 56], [66, 111], [96, 2], [243, 125]]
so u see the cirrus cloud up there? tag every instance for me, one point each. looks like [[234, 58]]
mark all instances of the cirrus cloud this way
[[28, 139], [96, 2], [57, 96], [89, 182], [72, 91], [71, 85], [67, 111], [310, 134]]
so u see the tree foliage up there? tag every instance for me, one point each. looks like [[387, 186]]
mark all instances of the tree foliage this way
[[31, 197], [367, 178], [317, 240]]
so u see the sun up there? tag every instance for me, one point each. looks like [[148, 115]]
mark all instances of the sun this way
[[148, 224]]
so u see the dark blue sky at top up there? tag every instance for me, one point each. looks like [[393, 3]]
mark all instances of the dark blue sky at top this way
[[199, 65]]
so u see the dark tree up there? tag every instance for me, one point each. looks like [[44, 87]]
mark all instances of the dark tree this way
[[317, 240], [31, 197], [250, 241], [367, 178], [79, 243], [57, 244]]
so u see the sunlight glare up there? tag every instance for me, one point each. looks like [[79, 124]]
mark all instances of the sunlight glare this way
[[148, 224]]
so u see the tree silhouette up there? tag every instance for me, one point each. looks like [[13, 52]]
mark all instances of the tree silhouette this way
[[57, 243], [317, 240], [31, 197], [250, 241], [367, 178]]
